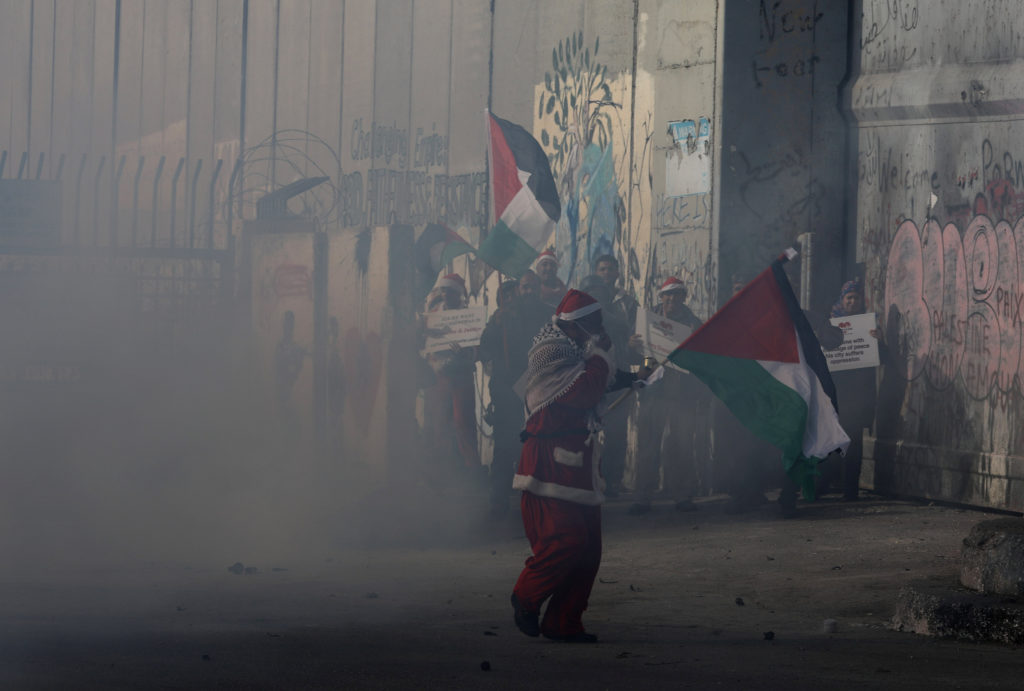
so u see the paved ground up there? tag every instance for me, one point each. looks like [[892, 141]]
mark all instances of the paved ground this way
[[697, 600]]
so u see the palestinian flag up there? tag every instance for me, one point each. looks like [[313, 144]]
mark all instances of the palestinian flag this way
[[436, 246], [526, 205], [759, 355]]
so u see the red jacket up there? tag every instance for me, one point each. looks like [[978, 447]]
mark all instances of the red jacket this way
[[557, 460]]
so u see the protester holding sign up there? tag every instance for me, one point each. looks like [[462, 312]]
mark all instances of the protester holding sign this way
[[449, 411], [668, 411], [855, 388]]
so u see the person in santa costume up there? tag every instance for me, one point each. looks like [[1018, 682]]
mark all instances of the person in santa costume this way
[[552, 288], [570, 368], [666, 425]]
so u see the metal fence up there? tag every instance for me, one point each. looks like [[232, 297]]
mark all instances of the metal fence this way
[[137, 202], [163, 224]]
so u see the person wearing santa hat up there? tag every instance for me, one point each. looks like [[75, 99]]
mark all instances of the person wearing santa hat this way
[[451, 403], [570, 367], [551, 286], [666, 421]]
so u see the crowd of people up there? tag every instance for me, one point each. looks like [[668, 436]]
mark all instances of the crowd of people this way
[[552, 356]]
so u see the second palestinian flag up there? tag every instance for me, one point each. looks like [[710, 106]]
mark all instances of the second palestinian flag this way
[[759, 355], [526, 205]]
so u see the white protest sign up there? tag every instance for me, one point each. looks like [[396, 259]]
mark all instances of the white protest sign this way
[[661, 336], [462, 327], [859, 348]]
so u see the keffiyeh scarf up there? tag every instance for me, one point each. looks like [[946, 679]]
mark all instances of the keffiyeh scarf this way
[[554, 365]]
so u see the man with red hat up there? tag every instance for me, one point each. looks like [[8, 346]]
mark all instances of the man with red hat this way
[[504, 344], [666, 426], [451, 402], [551, 286], [569, 369]]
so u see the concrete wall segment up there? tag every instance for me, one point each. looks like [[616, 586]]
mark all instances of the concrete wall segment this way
[[940, 234], [356, 109], [15, 35], [42, 80], [201, 87], [783, 165], [324, 102], [679, 54], [469, 86], [292, 91], [102, 81]]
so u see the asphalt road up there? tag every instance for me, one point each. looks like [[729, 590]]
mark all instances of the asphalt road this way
[[700, 600]]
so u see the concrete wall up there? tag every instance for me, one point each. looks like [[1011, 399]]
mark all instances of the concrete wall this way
[[939, 230], [692, 139], [784, 164]]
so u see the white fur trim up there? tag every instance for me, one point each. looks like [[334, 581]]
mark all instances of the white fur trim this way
[[567, 457], [581, 312], [672, 287], [449, 283], [530, 484]]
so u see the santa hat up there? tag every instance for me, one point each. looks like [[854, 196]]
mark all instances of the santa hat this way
[[453, 281], [545, 256], [575, 305], [670, 285]]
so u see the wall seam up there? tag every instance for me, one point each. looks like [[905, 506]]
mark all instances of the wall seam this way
[[273, 125], [31, 52], [632, 136]]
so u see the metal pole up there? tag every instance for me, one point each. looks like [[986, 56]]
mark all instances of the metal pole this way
[[135, 199], [174, 195], [115, 206], [156, 199], [209, 218], [192, 206], [96, 201], [78, 199]]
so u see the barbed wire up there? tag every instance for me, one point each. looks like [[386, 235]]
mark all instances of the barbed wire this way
[[288, 155]]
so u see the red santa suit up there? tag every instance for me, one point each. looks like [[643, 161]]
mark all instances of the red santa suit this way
[[558, 473]]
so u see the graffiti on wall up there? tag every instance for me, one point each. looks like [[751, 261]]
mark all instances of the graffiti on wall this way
[[954, 292], [575, 113], [885, 26], [688, 164], [406, 182], [777, 20]]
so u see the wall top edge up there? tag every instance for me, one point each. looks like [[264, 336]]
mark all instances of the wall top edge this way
[[943, 92]]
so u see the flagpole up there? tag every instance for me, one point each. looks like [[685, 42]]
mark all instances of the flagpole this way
[[488, 162], [786, 256], [625, 394]]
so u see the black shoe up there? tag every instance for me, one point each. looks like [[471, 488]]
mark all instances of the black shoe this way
[[581, 637], [527, 622], [640, 508]]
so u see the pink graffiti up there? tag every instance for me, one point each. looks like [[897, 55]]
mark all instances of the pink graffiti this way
[[955, 301]]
